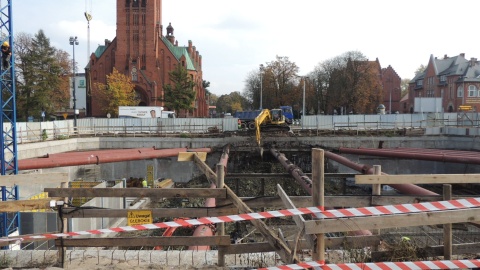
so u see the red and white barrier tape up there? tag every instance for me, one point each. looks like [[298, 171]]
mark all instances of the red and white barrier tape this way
[[318, 211], [455, 264]]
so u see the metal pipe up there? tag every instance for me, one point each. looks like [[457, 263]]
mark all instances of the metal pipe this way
[[304, 180], [99, 157], [366, 169], [426, 150], [392, 153], [204, 230], [294, 171], [208, 230]]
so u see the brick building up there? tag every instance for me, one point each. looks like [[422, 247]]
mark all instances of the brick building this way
[[141, 51], [455, 80], [390, 86], [392, 92]]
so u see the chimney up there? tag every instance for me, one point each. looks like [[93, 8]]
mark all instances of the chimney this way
[[473, 61], [462, 55], [445, 56]]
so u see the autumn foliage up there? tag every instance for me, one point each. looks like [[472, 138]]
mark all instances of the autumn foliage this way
[[119, 91]]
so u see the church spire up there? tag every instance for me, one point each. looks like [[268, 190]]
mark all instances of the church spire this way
[[170, 35]]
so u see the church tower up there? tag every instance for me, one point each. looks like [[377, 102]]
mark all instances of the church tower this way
[[138, 30], [141, 52]]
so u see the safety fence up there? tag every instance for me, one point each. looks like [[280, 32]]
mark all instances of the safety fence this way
[[424, 207], [319, 212], [63, 129], [454, 264]]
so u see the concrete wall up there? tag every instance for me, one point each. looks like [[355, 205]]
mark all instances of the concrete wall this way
[[184, 171]]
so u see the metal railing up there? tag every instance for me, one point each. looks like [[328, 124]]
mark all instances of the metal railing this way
[[57, 130]]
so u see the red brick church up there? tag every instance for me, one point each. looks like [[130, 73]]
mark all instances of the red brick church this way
[[141, 51]]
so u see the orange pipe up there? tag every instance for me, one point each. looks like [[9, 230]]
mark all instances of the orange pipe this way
[[208, 230], [204, 230]]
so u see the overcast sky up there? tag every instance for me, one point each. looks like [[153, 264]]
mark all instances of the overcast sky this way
[[235, 37]]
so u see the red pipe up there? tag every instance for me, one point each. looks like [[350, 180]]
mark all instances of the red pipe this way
[[204, 230], [94, 152], [459, 157], [365, 169], [304, 180], [102, 156], [208, 230]]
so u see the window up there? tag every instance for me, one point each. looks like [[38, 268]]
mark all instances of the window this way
[[134, 74], [460, 91], [419, 82], [443, 78], [472, 91]]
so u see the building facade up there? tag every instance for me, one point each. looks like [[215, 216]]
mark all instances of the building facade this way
[[392, 93], [141, 51], [390, 86], [455, 81]]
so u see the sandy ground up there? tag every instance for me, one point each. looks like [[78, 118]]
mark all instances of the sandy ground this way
[[133, 259]]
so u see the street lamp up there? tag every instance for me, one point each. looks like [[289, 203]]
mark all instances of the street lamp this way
[[73, 42], [303, 107], [261, 86], [390, 106]]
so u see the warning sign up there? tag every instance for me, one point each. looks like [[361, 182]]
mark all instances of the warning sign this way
[[139, 217]]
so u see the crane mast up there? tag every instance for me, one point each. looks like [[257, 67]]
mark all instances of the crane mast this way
[[8, 121]]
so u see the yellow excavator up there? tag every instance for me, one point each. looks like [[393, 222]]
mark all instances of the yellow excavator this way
[[270, 120]]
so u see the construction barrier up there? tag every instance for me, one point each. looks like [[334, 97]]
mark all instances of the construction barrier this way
[[318, 211], [454, 264]]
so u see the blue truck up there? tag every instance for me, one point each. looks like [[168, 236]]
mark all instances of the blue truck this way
[[247, 118]]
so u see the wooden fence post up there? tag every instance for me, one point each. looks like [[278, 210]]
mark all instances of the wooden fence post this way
[[447, 228], [318, 197], [221, 226]]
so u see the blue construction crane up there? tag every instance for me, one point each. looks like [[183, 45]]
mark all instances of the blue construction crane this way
[[8, 120]]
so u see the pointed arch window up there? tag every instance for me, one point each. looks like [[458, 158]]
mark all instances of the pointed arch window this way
[[134, 74]]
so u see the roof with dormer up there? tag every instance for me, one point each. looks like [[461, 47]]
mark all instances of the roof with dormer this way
[[468, 70]]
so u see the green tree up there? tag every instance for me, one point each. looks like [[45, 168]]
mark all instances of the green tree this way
[[180, 95], [420, 69], [212, 99], [119, 91], [353, 83], [404, 86], [231, 103], [317, 95], [43, 79], [205, 84], [275, 82]]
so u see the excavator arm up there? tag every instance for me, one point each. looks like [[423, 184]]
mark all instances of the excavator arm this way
[[262, 118]]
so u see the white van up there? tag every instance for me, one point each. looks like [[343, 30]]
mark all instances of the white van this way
[[168, 114]]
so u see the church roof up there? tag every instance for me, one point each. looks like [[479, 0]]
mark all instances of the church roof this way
[[178, 52], [100, 50]]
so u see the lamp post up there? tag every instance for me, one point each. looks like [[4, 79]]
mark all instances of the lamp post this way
[[261, 86], [390, 106], [303, 106], [73, 42]]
